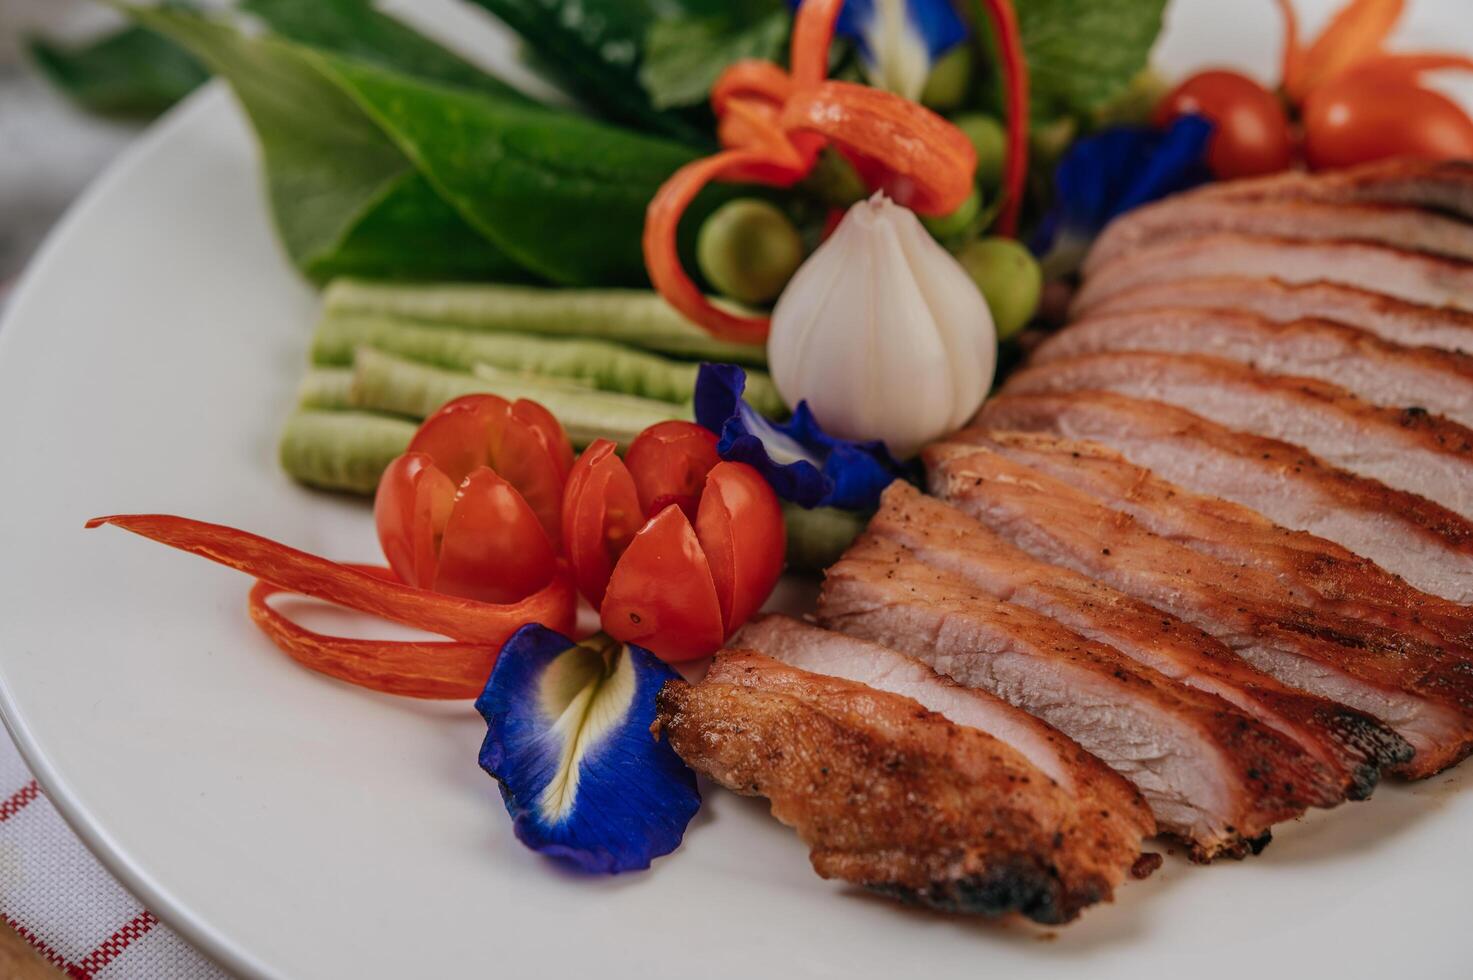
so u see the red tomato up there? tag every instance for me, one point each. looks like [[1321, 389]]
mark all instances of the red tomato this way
[[601, 514], [412, 505], [484, 430], [676, 587], [1358, 119], [473, 508], [492, 529], [661, 595], [740, 527], [669, 462], [1251, 134]]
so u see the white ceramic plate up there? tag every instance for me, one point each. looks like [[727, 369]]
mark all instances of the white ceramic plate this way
[[296, 827]]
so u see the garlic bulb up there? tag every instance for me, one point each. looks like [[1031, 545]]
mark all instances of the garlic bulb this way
[[883, 333]]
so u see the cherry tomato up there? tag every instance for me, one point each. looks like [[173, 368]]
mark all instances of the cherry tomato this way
[[1359, 119], [601, 514], [521, 441], [674, 546], [1251, 133], [411, 509], [493, 548], [661, 595], [473, 508], [669, 462], [740, 527]]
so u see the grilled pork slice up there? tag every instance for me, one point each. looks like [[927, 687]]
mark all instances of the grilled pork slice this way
[[1411, 276], [1191, 215], [1406, 450], [1368, 367], [1212, 776], [1315, 572], [1390, 319], [820, 651], [1424, 694], [1427, 545], [1436, 185], [1349, 743], [893, 797]]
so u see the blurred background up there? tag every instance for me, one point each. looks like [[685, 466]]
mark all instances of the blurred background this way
[[49, 149]]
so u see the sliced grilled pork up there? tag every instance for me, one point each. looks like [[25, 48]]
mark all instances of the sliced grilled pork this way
[[1368, 367], [1350, 744], [1411, 276], [1056, 755], [1191, 215], [1406, 450], [1445, 185], [1390, 319], [1424, 543], [896, 798], [1211, 775], [1314, 572], [1423, 694]]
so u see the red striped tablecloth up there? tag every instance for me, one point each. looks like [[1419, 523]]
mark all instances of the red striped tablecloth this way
[[57, 896]]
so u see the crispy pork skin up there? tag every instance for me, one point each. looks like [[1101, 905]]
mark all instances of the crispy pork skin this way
[[1443, 185], [1212, 776], [1426, 544], [1191, 215], [893, 797], [1404, 449], [1425, 694], [1315, 572], [1390, 319], [1411, 276], [1372, 369], [820, 651], [1349, 743]]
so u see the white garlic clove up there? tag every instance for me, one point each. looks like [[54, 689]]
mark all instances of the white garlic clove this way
[[883, 333]]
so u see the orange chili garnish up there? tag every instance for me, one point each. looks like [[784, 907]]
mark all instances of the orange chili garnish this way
[[1354, 41], [773, 123]]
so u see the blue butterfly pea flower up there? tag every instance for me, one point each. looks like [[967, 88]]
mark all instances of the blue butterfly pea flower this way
[[899, 40], [804, 464], [568, 738], [1117, 169]]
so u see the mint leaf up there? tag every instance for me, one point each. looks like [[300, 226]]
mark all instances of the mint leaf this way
[[684, 57]]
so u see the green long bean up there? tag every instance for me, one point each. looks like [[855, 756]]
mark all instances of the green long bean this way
[[639, 318]]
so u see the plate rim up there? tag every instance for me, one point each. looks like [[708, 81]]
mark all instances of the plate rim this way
[[155, 897]]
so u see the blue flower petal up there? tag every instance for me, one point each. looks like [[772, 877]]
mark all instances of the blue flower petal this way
[[804, 464], [568, 738], [1117, 169], [899, 40]]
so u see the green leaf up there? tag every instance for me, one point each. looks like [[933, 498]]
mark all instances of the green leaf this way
[[354, 28], [131, 72], [563, 195], [683, 58], [596, 47], [411, 233], [374, 173], [1083, 54], [344, 196]]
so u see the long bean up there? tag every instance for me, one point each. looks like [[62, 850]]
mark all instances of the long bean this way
[[601, 364], [639, 318], [385, 383], [341, 450]]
